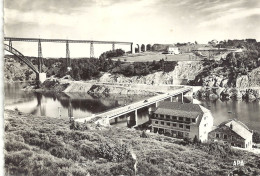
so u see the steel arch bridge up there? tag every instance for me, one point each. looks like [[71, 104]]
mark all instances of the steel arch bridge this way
[[21, 57]]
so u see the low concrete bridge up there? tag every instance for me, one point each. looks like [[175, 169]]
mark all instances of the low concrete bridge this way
[[150, 103]]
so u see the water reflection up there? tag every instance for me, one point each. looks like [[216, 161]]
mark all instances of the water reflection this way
[[82, 105], [78, 105], [247, 112]]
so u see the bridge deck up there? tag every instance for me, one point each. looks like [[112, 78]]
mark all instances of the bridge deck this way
[[137, 105], [64, 41]]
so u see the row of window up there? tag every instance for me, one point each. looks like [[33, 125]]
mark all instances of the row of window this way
[[172, 133], [224, 136], [168, 117], [172, 124]]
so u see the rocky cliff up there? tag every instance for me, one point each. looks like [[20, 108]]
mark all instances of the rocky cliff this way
[[246, 87], [183, 72], [17, 71], [252, 79]]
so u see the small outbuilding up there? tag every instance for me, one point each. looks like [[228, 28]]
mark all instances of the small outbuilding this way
[[173, 50], [233, 132]]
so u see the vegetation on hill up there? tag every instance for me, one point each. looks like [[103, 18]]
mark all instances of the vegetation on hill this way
[[17, 71], [49, 146], [88, 68], [234, 64]]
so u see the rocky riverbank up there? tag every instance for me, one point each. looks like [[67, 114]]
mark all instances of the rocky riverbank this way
[[248, 94], [215, 85]]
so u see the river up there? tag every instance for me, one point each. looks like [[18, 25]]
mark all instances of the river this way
[[79, 105]]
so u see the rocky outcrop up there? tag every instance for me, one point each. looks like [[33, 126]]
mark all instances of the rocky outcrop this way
[[242, 81], [107, 90], [215, 81], [17, 71], [248, 94], [184, 71], [252, 79]]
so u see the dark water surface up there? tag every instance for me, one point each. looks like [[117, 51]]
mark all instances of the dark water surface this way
[[81, 105]]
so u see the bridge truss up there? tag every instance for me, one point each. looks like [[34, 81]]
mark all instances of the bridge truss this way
[[68, 62], [21, 57]]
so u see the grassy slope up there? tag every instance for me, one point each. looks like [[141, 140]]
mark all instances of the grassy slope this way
[[47, 146], [151, 56]]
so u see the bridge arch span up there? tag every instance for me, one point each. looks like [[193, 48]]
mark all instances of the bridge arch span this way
[[20, 56], [149, 47], [143, 47], [138, 49]]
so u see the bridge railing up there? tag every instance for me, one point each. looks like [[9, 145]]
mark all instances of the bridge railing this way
[[140, 104]]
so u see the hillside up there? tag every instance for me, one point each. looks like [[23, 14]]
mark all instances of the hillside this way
[[49, 146], [17, 71]]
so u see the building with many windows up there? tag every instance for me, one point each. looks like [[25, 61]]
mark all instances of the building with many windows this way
[[233, 132], [182, 120]]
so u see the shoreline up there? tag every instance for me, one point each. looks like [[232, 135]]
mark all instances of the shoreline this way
[[94, 87]]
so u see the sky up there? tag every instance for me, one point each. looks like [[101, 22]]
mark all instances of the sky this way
[[138, 21]]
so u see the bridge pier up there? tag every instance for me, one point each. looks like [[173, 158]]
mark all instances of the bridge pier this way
[[91, 50], [40, 61], [149, 110], [113, 46], [132, 48], [136, 117], [10, 45], [42, 77], [68, 64], [139, 48], [171, 99], [128, 120], [116, 120]]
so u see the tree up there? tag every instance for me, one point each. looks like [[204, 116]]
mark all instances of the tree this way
[[118, 62], [129, 71], [195, 139]]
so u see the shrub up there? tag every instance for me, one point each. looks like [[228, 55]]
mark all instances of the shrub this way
[[7, 126], [186, 141], [63, 152], [144, 135], [88, 150], [16, 158], [15, 146], [256, 137], [195, 139], [217, 149], [113, 151]]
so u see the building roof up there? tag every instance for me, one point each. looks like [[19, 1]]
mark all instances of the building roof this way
[[180, 109], [238, 127]]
